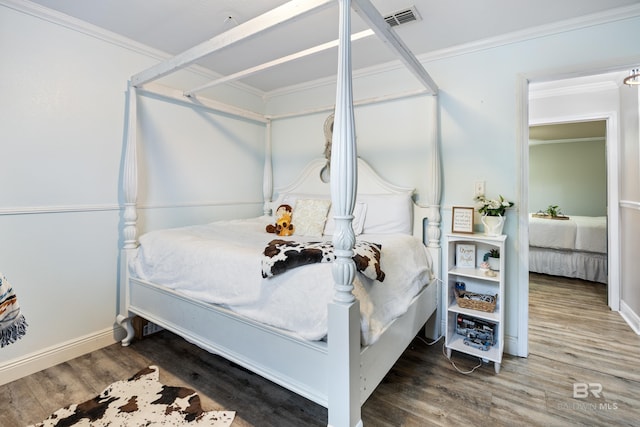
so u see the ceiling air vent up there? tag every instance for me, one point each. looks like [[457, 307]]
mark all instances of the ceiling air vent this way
[[402, 16]]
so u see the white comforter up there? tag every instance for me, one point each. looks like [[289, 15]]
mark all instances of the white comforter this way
[[581, 233], [221, 263]]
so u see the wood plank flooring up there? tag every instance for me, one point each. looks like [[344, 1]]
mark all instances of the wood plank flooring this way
[[574, 338]]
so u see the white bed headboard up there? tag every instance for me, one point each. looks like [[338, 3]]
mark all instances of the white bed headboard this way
[[369, 182], [309, 182]]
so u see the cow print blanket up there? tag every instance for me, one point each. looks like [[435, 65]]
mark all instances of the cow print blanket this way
[[282, 255], [140, 401]]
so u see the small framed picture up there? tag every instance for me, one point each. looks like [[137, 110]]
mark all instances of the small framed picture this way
[[462, 221], [465, 256]]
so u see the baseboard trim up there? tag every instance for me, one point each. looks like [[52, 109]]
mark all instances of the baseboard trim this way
[[511, 346], [630, 317], [37, 361]]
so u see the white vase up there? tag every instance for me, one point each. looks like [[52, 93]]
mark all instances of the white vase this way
[[492, 224], [494, 263]]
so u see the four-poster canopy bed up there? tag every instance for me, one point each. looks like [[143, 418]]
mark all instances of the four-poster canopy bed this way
[[341, 365]]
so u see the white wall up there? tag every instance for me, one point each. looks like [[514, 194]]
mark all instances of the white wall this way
[[571, 175], [394, 137], [62, 135], [187, 164], [630, 206], [478, 113], [480, 127], [63, 114]]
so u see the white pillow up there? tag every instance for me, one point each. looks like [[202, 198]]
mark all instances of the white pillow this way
[[309, 216], [359, 215], [373, 213], [388, 213]]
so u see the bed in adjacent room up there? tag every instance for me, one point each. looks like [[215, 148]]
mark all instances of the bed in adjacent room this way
[[356, 289], [574, 246]]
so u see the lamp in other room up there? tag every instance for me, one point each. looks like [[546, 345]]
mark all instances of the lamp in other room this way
[[633, 79]]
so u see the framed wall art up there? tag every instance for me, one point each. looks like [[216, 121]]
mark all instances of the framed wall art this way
[[462, 220], [465, 256]]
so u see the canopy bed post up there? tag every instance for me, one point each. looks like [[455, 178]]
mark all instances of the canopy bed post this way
[[434, 194], [434, 326], [130, 216], [267, 180], [372, 17], [344, 310]]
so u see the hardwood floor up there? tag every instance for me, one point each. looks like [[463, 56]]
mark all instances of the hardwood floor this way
[[574, 339]]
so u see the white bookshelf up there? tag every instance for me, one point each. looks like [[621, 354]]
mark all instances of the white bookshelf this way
[[479, 281]]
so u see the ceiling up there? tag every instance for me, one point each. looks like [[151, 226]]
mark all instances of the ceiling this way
[[568, 132], [173, 26]]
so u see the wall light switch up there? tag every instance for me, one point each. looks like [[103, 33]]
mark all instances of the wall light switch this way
[[478, 189]]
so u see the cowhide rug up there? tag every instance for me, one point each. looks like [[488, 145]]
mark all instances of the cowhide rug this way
[[140, 401]]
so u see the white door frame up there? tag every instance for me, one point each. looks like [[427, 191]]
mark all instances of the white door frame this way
[[613, 211]]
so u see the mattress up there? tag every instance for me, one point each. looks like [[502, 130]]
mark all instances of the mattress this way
[[221, 263], [578, 233]]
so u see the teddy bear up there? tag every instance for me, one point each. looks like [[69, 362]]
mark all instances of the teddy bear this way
[[283, 226]]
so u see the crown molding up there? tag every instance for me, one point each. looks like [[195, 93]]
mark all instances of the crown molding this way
[[573, 89], [77, 25], [74, 24], [585, 21], [567, 140], [600, 18], [567, 25]]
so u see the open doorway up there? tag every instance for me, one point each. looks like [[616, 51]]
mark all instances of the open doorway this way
[[582, 108], [568, 200], [568, 100]]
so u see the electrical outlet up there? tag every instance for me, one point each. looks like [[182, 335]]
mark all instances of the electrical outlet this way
[[478, 189], [150, 328]]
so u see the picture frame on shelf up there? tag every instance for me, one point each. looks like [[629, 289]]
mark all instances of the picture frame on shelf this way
[[465, 255], [462, 220]]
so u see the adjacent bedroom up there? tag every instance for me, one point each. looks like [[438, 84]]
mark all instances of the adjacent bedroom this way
[[568, 200]]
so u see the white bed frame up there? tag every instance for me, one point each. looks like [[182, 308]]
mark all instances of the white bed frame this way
[[338, 374]]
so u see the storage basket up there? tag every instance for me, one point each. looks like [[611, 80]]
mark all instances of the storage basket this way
[[480, 302]]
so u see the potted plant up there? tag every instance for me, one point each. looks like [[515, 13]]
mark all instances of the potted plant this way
[[493, 258], [553, 212], [492, 211]]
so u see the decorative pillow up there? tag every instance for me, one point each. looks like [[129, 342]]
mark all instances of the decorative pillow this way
[[373, 213], [359, 215], [367, 259], [309, 216], [292, 198]]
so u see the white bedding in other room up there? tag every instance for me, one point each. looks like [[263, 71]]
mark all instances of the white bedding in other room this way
[[577, 233], [591, 233], [220, 263]]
